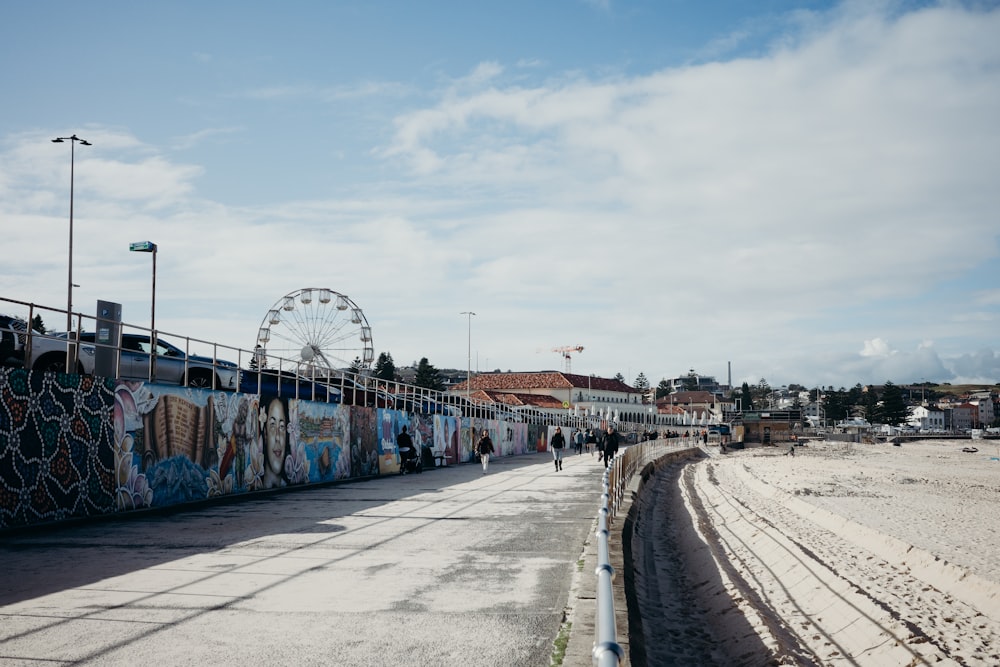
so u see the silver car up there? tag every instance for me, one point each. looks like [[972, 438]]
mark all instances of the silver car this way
[[172, 366]]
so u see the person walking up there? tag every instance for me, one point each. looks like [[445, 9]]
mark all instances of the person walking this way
[[484, 448], [558, 442], [578, 442], [610, 444], [591, 441]]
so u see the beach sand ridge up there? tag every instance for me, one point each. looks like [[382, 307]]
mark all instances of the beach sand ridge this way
[[841, 554]]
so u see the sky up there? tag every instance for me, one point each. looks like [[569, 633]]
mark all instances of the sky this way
[[795, 191]]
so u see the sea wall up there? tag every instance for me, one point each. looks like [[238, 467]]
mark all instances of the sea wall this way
[[74, 446]]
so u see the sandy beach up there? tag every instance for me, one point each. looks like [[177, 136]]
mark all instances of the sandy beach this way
[[843, 554]]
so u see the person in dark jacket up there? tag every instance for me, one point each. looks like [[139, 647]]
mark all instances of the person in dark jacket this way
[[404, 443], [558, 442], [484, 448], [610, 444]]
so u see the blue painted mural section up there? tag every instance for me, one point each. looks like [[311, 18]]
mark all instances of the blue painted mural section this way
[[78, 446]]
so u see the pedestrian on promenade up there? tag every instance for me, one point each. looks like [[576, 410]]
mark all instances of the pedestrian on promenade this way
[[484, 448], [558, 442], [578, 442], [610, 445], [404, 443], [591, 441]]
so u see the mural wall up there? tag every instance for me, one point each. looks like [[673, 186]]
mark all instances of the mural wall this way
[[56, 456], [78, 446]]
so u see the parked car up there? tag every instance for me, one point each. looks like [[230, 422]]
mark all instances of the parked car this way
[[48, 353], [12, 334], [269, 383]]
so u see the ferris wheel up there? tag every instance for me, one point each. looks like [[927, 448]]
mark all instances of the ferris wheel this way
[[315, 332]]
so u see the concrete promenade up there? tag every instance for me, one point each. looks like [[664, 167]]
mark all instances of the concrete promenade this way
[[449, 567]]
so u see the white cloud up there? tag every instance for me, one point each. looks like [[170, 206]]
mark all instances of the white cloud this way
[[877, 348]]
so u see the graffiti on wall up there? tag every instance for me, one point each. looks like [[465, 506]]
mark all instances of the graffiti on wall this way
[[176, 444], [324, 431], [55, 447], [77, 446], [509, 438], [446, 437], [364, 441]]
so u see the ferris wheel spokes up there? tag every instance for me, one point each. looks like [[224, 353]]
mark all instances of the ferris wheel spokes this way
[[316, 331]]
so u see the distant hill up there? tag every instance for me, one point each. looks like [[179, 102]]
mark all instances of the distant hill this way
[[959, 389]]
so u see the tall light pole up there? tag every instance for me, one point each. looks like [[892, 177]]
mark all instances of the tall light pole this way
[[148, 246], [71, 349], [468, 379], [468, 366], [72, 139]]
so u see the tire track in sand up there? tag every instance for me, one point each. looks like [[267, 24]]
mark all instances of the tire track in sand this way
[[863, 611]]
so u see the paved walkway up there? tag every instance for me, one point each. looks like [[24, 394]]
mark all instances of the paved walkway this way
[[449, 567]]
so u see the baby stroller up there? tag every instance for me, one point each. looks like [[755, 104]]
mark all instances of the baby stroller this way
[[409, 461]]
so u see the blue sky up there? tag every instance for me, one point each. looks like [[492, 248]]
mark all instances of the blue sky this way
[[804, 189]]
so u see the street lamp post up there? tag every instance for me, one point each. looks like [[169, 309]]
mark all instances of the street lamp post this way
[[468, 378], [150, 247], [72, 139], [468, 365]]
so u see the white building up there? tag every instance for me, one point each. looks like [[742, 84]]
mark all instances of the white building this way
[[983, 401], [814, 413], [926, 418]]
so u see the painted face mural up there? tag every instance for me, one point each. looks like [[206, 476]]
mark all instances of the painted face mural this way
[[275, 440]]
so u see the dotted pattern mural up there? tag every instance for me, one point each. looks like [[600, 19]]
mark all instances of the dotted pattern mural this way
[[56, 454]]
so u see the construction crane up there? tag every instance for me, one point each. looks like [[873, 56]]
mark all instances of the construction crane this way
[[566, 351]]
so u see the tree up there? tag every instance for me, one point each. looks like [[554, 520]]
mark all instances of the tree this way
[[258, 361], [385, 369], [642, 384], [37, 324], [760, 392], [869, 405], [357, 366], [836, 405], [620, 377], [427, 376], [663, 389], [892, 409], [855, 399], [746, 398]]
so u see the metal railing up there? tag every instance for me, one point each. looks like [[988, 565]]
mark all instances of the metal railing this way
[[260, 371], [607, 652]]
